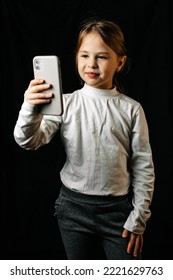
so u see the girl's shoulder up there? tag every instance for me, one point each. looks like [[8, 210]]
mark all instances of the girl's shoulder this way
[[68, 97], [127, 103], [127, 99]]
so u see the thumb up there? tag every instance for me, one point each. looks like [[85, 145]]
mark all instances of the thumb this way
[[125, 233]]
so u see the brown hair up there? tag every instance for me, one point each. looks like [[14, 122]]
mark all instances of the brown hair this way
[[110, 33]]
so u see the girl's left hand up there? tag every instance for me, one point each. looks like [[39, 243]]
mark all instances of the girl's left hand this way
[[135, 242]]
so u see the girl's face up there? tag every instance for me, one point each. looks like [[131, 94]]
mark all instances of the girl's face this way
[[97, 62]]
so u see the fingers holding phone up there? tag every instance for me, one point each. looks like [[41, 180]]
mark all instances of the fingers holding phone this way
[[35, 94]]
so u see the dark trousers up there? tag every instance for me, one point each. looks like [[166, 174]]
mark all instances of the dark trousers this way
[[91, 224]]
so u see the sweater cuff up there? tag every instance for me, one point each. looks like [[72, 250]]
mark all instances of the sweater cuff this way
[[29, 107]]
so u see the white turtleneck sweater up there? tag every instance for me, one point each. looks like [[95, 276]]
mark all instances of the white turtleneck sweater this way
[[105, 135]]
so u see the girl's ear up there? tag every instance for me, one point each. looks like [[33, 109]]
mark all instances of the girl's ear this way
[[121, 63]]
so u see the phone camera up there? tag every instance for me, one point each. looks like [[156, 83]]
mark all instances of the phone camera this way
[[37, 64]]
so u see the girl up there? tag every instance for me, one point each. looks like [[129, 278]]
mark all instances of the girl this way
[[108, 176]]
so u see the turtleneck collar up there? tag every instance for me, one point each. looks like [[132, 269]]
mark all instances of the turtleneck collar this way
[[95, 92]]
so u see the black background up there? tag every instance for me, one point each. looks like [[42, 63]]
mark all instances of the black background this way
[[30, 179]]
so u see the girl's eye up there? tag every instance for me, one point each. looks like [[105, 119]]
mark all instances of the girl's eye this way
[[97, 57], [102, 57]]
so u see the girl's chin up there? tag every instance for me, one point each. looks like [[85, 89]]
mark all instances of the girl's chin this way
[[92, 83], [97, 85]]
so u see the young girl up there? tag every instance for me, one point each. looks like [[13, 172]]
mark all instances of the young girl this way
[[108, 176]]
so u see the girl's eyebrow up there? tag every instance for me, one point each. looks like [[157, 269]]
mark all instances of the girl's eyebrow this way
[[96, 53]]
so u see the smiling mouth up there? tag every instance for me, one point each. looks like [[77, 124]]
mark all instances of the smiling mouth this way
[[92, 74]]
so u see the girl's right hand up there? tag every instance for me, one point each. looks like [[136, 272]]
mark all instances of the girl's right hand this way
[[34, 94]]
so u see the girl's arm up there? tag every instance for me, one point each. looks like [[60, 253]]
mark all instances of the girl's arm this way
[[32, 129], [142, 174]]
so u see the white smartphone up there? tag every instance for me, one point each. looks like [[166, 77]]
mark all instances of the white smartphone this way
[[48, 68]]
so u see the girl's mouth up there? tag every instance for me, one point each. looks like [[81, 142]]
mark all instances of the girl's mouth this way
[[92, 74]]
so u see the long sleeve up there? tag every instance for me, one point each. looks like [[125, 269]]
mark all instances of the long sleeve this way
[[33, 130], [142, 170]]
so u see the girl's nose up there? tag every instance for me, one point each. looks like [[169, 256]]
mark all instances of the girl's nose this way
[[92, 63]]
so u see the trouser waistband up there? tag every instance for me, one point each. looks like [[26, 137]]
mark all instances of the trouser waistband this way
[[91, 199]]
